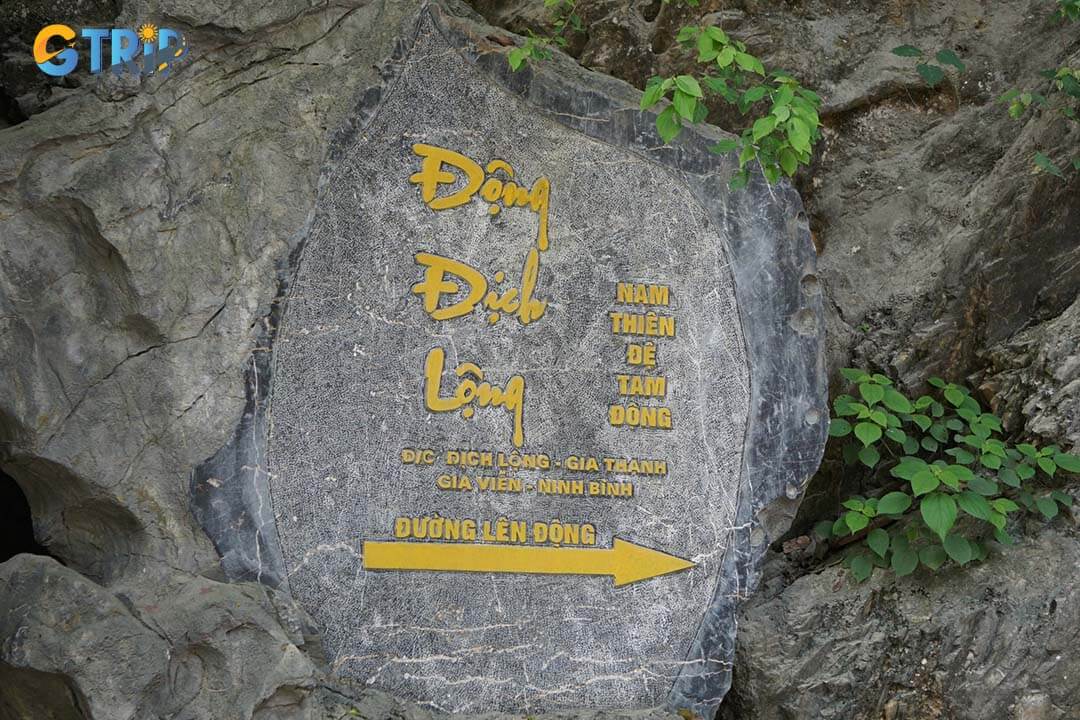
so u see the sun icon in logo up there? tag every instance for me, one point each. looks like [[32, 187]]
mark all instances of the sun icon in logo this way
[[148, 33]]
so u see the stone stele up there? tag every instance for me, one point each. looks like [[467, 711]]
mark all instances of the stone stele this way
[[541, 391]]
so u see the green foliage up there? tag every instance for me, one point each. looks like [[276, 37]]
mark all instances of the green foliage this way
[[931, 73], [780, 135], [564, 19], [947, 460], [1068, 10], [1062, 96]]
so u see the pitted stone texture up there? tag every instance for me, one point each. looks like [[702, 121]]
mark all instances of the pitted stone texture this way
[[348, 396]]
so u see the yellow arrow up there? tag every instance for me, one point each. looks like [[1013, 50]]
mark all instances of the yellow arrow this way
[[625, 561]]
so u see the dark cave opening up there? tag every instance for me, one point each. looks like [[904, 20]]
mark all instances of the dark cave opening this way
[[16, 525]]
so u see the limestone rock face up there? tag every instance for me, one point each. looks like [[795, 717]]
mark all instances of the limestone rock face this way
[[994, 640], [185, 647]]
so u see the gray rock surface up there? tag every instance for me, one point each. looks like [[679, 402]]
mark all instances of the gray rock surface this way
[[995, 640]]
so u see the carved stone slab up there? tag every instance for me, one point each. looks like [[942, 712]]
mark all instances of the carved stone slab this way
[[542, 391]]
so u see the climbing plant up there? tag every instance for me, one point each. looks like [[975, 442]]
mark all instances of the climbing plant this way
[[782, 123], [944, 458], [780, 135], [564, 20], [1061, 95], [932, 73]]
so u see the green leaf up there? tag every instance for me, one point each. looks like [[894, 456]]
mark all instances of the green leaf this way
[[861, 567], [654, 91], [1028, 449], [788, 162], [958, 549], [853, 504], [924, 482], [700, 112], [854, 375], [798, 133], [961, 455], [1004, 505], [948, 477], [748, 153], [684, 105], [1003, 537], [726, 57], [932, 74], [896, 435], [688, 85], [974, 505], [922, 421], [869, 456], [1046, 164], [1047, 506], [706, 49], [961, 472], [894, 503], [907, 468], [667, 124], [897, 402], [764, 126], [724, 146], [948, 57], [1068, 463], [839, 427], [907, 51], [868, 433], [717, 34], [840, 528], [517, 58], [750, 63], [998, 520], [904, 562], [1065, 500], [687, 32], [823, 529], [1047, 465], [856, 521], [938, 512], [871, 393], [936, 382], [981, 485], [929, 444], [954, 396], [754, 94], [932, 556], [1009, 477], [878, 540]]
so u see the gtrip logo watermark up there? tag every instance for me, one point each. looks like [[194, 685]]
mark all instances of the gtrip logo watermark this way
[[146, 50]]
